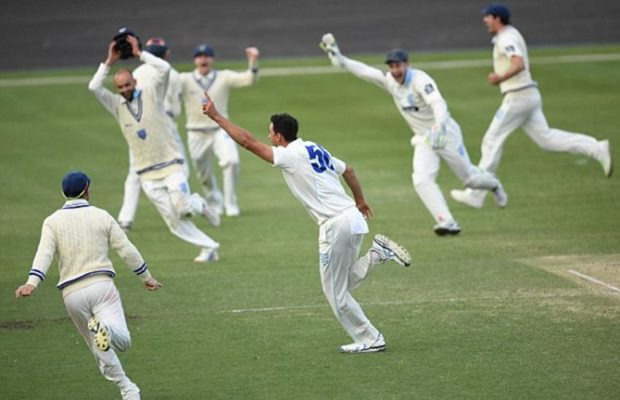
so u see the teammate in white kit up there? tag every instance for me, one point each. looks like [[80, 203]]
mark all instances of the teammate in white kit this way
[[79, 236], [146, 75], [204, 137], [521, 107], [154, 151], [313, 176], [436, 135]]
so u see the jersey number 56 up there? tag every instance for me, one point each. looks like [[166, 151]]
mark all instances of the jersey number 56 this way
[[319, 158]]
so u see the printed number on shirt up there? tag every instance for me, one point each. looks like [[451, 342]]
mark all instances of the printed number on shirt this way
[[319, 158]]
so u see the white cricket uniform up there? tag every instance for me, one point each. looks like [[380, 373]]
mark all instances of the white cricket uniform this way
[[155, 154], [313, 176], [205, 137], [522, 108], [146, 75], [420, 103], [80, 235]]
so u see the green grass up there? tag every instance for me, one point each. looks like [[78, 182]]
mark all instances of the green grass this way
[[471, 319]]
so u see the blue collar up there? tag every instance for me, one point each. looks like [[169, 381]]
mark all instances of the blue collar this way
[[408, 77], [75, 203]]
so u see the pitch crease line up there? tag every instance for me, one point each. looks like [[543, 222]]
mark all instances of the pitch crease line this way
[[594, 280], [390, 303]]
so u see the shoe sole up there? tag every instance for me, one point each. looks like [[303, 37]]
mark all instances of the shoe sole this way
[[446, 231], [374, 349], [402, 255], [100, 334]]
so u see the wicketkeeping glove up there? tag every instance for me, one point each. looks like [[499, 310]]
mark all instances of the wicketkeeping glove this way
[[328, 45], [436, 138]]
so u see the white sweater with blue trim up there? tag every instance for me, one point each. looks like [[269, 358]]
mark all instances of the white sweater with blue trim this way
[[80, 236]]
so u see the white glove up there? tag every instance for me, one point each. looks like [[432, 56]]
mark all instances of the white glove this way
[[328, 45], [436, 138]]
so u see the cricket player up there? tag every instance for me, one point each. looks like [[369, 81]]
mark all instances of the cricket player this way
[[204, 137], [154, 151], [436, 135], [313, 176], [521, 107], [79, 236], [146, 75]]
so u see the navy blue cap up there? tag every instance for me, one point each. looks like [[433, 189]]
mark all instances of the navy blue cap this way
[[497, 10], [396, 55], [75, 184], [204, 50], [124, 32], [156, 46]]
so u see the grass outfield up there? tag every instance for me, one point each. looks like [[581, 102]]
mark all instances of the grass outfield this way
[[494, 313]]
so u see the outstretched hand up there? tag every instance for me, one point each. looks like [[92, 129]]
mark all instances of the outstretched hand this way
[[208, 107]]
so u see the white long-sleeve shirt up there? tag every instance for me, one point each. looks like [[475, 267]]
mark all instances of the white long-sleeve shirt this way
[[506, 44], [79, 236], [218, 84], [418, 98], [146, 127]]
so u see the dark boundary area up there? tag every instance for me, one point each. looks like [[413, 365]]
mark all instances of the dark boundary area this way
[[62, 33]]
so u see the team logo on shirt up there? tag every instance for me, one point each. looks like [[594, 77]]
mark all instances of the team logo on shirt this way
[[141, 134], [510, 49], [429, 88]]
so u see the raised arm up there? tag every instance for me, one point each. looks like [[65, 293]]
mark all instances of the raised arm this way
[[105, 96], [41, 263], [130, 255], [356, 189], [238, 134], [357, 68], [250, 75], [160, 65]]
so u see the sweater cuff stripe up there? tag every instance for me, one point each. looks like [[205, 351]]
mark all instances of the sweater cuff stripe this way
[[142, 269], [37, 273]]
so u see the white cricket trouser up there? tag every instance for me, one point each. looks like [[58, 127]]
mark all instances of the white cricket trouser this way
[[202, 146], [171, 196], [103, 301], [426, 163], [341, 272], [131, 193], [523, 109]]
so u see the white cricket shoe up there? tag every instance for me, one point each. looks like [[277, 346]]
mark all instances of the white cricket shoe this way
[[210, 215], [501, 197], [468, 197], [447, 228], [207, 256], [232, 211], [100, 333], [376, 346], [389, 250], [605, 158], [130, 393]]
